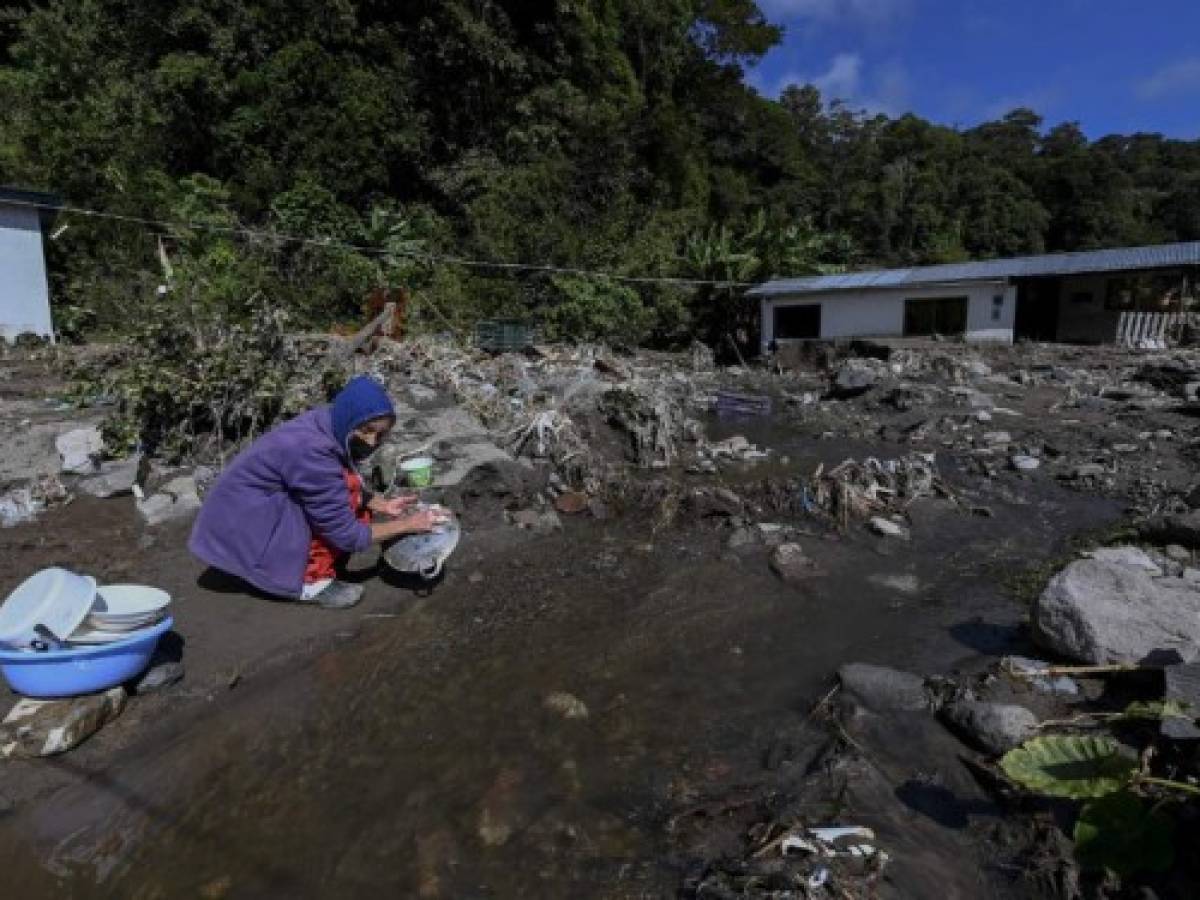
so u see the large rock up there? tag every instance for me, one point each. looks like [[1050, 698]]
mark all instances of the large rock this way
[[112, 478], [882, 689], [853, 377], [1102, 612], [1127, 557], [992, 727], [78, 448], [47, 727], [177, 499]]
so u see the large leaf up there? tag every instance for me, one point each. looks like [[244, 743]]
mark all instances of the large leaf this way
[[1075, 766], [1118, 832], [1158, 709]]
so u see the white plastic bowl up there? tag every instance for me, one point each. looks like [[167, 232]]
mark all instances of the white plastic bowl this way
[[56, 598]]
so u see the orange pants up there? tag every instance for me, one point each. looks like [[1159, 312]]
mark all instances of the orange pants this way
[[322, 558]]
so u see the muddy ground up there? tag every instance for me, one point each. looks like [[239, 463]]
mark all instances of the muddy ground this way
[[601, 711]]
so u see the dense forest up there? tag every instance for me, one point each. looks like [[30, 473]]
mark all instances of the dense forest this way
[[614, 135]]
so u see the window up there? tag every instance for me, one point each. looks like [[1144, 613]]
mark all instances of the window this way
[[794, 323], [925, 316], [997, 307]]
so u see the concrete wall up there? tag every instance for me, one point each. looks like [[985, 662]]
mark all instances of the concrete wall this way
[[24, 296], [879, 312], [1086, 323]]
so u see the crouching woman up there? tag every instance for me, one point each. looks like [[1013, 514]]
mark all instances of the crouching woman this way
[[292, 506]]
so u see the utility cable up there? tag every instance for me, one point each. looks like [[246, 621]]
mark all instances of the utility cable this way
[[332, 243]]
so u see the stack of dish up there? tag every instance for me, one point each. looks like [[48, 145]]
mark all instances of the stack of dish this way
[[61, 635], [119, 610]]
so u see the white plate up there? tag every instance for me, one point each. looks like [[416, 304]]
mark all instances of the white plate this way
[[122, 602], [91, 623], [56, 598], [87, 635]]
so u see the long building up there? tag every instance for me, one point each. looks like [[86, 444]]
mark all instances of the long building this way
[[1132, 295]]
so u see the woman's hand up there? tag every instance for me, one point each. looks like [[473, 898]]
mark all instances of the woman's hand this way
[[422, 520], [394, 506]]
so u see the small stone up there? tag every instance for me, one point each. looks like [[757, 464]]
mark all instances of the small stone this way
[[983, 416], [1088, 471], [566, 705], [598, 509], [1178, 553], [882, 689], [159, 677], [992, 727], [997, 438], [48, 727], [1125, 448], [888, 528], [1024, 463], [742, 537], [571, 503], [475, 578], [902, 584], [790, 562]]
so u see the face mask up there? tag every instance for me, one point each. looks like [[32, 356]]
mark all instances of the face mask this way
[[359, 449]]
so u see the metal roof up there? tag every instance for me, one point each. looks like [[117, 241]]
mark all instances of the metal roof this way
[[1122, 259]]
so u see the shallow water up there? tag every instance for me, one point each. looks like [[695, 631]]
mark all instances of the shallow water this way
[[420, 759]]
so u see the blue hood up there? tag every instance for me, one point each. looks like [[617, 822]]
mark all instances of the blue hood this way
[[359, 401]]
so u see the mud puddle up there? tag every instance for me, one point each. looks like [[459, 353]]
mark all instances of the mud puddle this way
[[534, 734]]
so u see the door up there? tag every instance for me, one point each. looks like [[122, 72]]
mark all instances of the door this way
[[926, 316]]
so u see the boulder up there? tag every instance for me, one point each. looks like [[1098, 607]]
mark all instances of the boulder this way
[[791, 563], [177, 499], [112, 478], [1129, 557], [882, 689], [1103, 612], [78, 448], [991, 727], [47, 727], [852, 379]]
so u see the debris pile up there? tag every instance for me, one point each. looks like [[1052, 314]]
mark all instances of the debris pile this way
[[858, 490]]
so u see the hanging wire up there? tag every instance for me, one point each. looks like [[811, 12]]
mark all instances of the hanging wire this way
[[332, 243]]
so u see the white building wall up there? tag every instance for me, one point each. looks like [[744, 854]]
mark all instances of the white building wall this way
[[24, 295], [879, 312]]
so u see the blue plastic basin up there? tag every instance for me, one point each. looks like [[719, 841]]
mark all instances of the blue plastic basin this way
[[81, 670]]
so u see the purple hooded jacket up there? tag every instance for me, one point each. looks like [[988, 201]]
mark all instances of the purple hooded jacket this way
[[259, 519]]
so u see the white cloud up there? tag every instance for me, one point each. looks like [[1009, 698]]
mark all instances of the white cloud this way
[[843, 80], [865, 12], [1178, 78], [885, 88]]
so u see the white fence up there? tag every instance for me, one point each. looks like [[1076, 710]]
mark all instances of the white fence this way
[[1152, 330]]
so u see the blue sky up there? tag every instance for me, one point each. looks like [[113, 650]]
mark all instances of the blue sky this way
[[1111, 65]]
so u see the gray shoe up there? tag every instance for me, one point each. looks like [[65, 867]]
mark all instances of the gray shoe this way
[[337, 595]]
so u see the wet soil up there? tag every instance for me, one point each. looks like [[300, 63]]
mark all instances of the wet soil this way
[[405, 746]]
